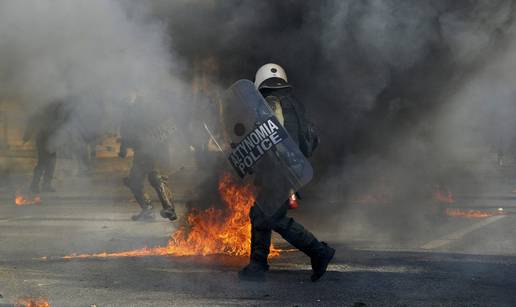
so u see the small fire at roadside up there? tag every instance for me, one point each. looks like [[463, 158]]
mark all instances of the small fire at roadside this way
[[32, 302], [473, 214], [21, 200], [209, 232]]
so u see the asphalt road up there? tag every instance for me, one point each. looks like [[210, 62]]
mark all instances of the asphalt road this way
[[385, 256], [460, 263]]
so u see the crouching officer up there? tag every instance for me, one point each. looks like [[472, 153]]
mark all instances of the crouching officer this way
[[271, 81], [144, 165]]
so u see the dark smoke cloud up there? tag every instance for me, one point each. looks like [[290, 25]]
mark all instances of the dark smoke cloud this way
[[392, 79], [366, 70], [388, 83]]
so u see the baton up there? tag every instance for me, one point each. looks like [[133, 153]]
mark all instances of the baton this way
[[211, 136]]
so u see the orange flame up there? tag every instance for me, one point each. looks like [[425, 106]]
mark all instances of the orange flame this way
[[21, 200], [211, 231], [474, 214], [32, 302]]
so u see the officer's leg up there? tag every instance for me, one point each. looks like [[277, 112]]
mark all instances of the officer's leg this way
[[135, 183], [40, 166], [83, 157], [294, 233], [159, 183], [50, 167], [260, 246]]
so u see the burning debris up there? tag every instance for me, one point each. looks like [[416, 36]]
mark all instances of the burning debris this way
[[32, 302], [21, 200], [212, 231], [444, 196], [473, 214]]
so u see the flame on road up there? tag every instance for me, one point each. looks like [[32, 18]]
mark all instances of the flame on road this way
[[32, 302], [21, 200], [209, 232], [475, 214]]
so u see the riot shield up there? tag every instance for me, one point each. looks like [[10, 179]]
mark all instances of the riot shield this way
[[256, 144]]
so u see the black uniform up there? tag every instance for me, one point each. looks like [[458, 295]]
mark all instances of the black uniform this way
[[45, 124], [287, 227], [134, 135]]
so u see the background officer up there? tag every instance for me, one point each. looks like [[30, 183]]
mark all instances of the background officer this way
[[135, 133], [45, 124]]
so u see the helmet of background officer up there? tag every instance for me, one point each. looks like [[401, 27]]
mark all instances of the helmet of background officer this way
[[271, 76]]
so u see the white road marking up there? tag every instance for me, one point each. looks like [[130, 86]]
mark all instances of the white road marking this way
[[347, 268], [457, 235]]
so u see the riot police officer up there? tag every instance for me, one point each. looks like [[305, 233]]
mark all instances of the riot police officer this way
[[134, 133], [45, 124], [271, 81]]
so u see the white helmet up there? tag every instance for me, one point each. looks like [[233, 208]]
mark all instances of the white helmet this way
[[269, 71]]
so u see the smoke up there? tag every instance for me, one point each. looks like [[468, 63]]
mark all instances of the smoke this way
[[355, 64], [394, 87], [399, 90], [93, 54]]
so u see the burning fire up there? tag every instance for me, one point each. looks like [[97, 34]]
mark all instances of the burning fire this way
[[211, 231], [443, 195], [21, 200], [32, 302], [476, 214]]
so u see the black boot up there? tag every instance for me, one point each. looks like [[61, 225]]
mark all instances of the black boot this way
[[320, 257], [260, 246], [159, 183], [168, 213], [319, 252], [147, 214], [254, 271]]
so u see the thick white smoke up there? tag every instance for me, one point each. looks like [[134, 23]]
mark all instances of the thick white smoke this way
[[95, 50]]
